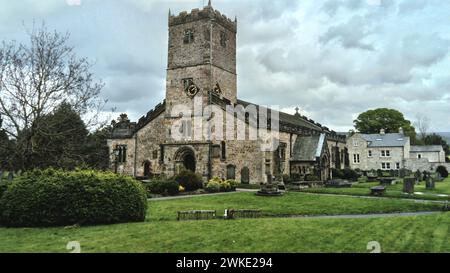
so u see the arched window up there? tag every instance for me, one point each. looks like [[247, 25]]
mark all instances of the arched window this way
[[231, 172], [245, 175]]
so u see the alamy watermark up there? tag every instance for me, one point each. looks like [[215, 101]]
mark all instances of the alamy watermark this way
[[235, 122]]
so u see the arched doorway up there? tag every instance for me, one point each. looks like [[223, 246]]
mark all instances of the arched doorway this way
[[189, 162], [147, 168], [185, 156], [245, 175]]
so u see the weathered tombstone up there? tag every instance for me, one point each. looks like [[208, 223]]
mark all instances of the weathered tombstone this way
[[430, 183], [10, 176], [418, 176], [408, 185]]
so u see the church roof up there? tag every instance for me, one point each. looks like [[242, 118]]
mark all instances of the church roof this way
[[308, 148]]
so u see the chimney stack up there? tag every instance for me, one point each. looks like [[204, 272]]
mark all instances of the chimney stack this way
[[382, 132], [400, 131]]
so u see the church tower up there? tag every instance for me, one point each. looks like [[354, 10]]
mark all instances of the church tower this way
[[202, 57]]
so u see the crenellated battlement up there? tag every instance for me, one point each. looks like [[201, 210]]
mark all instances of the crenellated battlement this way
[[207, 12]]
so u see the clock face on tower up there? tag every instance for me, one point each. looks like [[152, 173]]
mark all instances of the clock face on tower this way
[[190, 88]]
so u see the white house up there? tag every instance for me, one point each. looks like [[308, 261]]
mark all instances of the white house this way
[[390, 152]]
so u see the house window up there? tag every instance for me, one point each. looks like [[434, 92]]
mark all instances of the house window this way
[[419, 156], [188, 36], [385, 153], [397, 166], [385, 166], [370, 153], [356, 159]]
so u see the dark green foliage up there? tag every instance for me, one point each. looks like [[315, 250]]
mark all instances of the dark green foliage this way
[[311, 177], [163, 187], [350, 174], [435, 139], [337, 173], [346, 173], [57, 198], [372, 121], [442, 170], [189, 180]]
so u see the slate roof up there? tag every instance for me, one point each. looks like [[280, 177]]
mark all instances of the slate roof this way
[[386, 140], [290, 119], [308, 148], [424, 149]]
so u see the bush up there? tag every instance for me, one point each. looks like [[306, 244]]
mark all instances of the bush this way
[[163, 187], [337, 173], [58, 198], [443, 171], [311, 177], [189, 180], [218, 185], [350, 174], [213, 187]]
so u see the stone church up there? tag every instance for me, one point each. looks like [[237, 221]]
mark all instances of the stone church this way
[[202, 69]]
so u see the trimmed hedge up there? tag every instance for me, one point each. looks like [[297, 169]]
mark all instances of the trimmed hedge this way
[[442, 170], [163, 187], [189, 180], [58, 198]]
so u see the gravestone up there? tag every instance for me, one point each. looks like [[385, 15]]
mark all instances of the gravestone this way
[[10, 177], [430, 183], [408, 185]]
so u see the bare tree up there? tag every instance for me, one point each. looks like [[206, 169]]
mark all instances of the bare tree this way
[[38, 77], [423, 125]]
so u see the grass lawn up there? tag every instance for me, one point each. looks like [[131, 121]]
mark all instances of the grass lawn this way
[[395, 191], [161, 233], [403, 234], [292, 203]]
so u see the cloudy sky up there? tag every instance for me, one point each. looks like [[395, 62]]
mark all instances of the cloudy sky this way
[[332, 58]]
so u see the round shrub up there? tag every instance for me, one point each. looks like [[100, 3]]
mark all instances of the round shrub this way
[[163, 187], [337, 173], [189, 180], [58, 198], [350, 174], [442, 170], [213, 187], [233, 184]]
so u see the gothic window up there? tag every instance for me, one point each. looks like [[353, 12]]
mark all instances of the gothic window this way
[[186, 128], [188, 36], [216, 151], [122, 155], [161, 153], [223, 39], [224, 150], [231, 172]]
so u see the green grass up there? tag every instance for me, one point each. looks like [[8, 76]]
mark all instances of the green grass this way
[[403, 234], [292, 203], [394, 191], [161, 233]]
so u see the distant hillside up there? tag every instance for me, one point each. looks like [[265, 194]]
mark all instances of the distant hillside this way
[[445, 135]]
